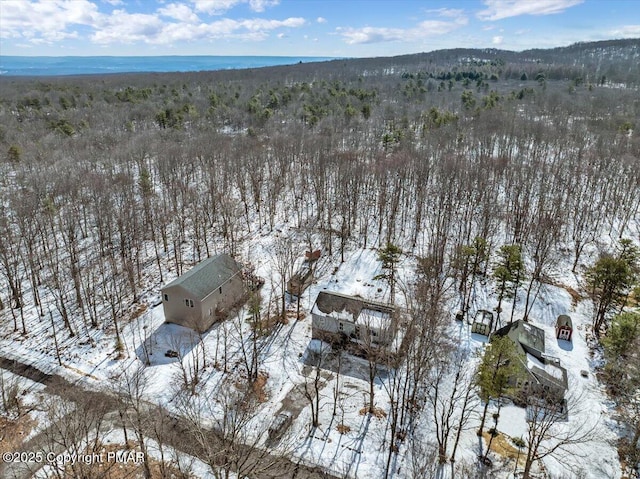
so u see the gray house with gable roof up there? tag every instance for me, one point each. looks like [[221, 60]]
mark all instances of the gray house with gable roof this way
[[545, 373], [527, 337], [204, 294]]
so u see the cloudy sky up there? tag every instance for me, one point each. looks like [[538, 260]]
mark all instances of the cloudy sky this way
[[350, 28]]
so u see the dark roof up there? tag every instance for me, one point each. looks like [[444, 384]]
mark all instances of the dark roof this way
[[207, 276], [546, 379], [330, 302], [564, 320], [529, 337]]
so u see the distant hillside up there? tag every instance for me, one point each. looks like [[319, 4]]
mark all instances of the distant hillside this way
[[617, 60], [613, 61]]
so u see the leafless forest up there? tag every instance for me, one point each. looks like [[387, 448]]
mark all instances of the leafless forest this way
[[108, 182]]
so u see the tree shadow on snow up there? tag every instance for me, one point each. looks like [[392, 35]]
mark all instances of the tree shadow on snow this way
[[341, 363]]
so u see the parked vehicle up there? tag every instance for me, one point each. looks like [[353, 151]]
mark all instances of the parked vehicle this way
[[280, 424]]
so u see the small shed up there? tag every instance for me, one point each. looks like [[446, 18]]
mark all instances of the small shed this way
[[482, 322], [564, 327], [300, 281], [311, 256]]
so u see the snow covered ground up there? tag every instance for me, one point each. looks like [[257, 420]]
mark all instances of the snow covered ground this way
[[588, 406], [359, 448], [30, 396]]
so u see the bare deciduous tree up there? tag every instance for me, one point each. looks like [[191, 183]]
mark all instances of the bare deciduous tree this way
[[549, 434]]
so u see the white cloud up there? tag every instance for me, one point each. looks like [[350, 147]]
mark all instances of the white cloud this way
[[214, 7], [123, 27], [321, 20], [261, 5], [48, 21], [44, 20], [424, 30], [371, 35], [179, 11], [150, 29], [218, 7], [438, 27], [257, 24], [497, 40], [626, 31], [499, 9], [447, 12]]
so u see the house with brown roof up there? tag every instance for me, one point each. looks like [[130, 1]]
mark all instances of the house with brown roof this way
[[349, 320]]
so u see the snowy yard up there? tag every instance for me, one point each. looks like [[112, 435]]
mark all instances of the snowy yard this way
[[349, 443]]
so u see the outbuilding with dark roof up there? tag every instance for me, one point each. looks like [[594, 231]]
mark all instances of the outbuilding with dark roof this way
[[336, 316]]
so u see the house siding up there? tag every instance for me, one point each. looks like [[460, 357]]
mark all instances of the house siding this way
[[176, 310], [207, 308], [373, 326]]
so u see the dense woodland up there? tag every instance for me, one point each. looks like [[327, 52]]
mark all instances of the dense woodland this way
[[463, 158]]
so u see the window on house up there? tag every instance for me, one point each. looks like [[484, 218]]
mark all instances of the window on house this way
[[341, 326], [210, 311], [220, 290], [166, 297], [189, 302]]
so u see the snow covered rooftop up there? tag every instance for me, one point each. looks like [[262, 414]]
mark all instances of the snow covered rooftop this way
[[552, 369], [353, 309], [564, 321], [374, 319]]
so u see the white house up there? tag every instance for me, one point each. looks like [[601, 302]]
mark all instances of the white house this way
[[341, 319]]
